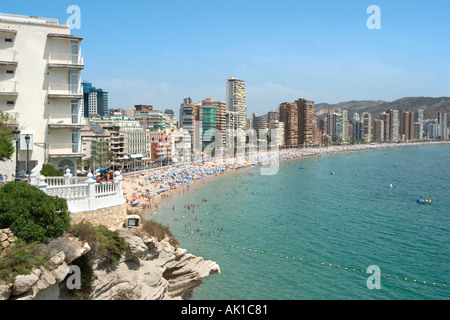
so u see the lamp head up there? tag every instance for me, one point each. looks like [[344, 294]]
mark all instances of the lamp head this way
[[16, 134]]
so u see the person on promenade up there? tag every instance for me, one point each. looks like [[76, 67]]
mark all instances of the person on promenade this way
[[100, 178], [110, 176]]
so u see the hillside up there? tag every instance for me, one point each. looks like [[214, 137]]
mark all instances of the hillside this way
[[353, 105], [431, 106]]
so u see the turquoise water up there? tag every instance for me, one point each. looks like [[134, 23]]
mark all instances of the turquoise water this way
[[351, 220]]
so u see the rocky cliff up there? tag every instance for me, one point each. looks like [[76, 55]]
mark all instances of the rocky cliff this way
[[149, 270]]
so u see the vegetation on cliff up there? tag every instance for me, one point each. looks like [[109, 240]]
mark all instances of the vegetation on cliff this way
[[21, 259], [154, 229], [106, 246], [31, 214]]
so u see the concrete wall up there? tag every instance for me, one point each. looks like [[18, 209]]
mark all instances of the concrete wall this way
[[8, 168]]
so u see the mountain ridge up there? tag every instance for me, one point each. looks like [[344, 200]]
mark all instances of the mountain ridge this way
[[430, 105]]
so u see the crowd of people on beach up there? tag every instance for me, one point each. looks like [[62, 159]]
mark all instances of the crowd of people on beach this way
[[145, 190], [200, 217]]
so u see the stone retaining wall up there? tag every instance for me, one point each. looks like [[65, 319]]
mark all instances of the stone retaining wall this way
[[111, 217], [6, 238]]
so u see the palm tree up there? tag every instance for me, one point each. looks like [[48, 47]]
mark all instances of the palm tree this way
[[80, 164], [87, 163], [109, 157]]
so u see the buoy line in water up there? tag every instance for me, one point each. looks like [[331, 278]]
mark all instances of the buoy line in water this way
[[295, 259]]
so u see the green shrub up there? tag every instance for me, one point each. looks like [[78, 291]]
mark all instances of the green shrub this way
[[112, 246], [31, 214], [21, 258], [85, 231], [6, 139], [106, 245], [157, 230], [49, 171]]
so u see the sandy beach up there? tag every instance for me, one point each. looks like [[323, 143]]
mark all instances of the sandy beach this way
[[146, 191]]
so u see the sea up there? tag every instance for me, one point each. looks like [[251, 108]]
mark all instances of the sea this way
[[308, 234]]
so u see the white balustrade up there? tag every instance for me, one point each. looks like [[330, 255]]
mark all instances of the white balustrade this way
[[70, 193], [65, 119], [81, 193], [65, 59], [8, 87], [65, 148], [65, 89], [8, 56]]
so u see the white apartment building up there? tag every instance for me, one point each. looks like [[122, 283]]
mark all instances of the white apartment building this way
[[92, 101], [278, 126], [367, 126], [236, 99], [40, 65], [134, 138]]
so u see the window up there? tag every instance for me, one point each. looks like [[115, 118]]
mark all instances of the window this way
[[67, 164], [9, 71], [133, 222], [8, 40], [10, 103]]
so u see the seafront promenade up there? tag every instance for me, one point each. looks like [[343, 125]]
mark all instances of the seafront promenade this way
[[144, 191]]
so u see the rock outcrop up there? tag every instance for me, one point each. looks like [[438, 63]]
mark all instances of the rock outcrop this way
[[149, 270], [42, 283]]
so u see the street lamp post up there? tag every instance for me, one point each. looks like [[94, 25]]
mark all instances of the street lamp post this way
[[16, 136], [93, 165], [129, 163], [27, 140]]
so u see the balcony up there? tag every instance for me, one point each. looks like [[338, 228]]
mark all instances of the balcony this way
[[99, 153], [8, 57], [65, 91], [65, 61], [8, 88], [70, 150], [64, 121], [9, 32], [100, 146], [60, 36]]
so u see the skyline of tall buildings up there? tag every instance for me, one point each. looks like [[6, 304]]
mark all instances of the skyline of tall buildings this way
[[300, 127], [62, 100]]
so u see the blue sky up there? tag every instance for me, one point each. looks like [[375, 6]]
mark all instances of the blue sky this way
[[158, 52]]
